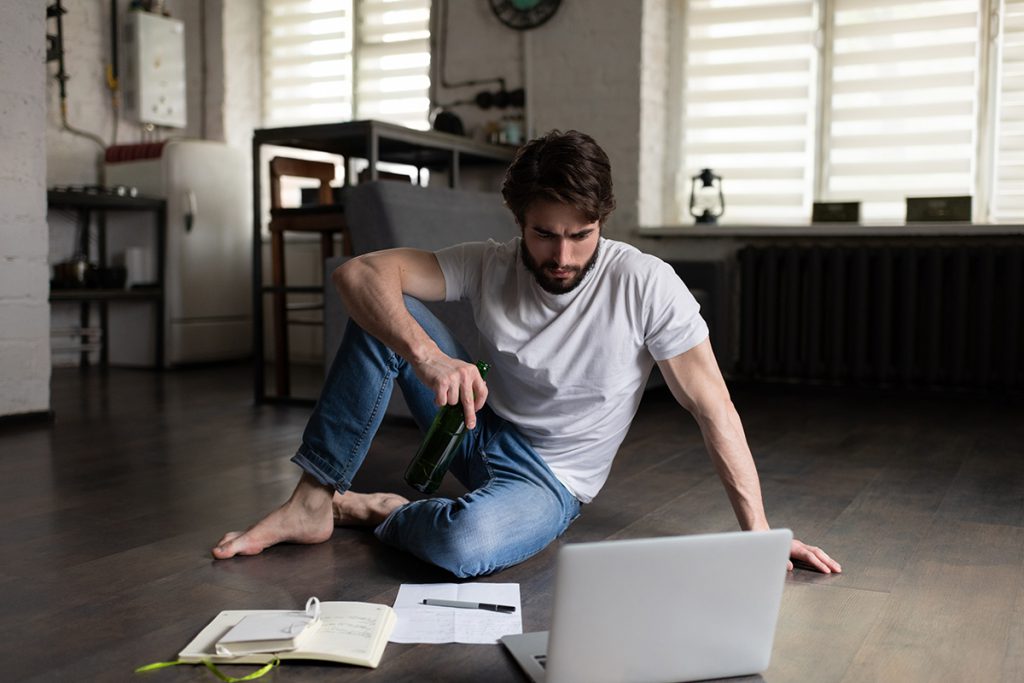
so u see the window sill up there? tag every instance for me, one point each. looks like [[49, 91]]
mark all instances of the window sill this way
[[833, 230]]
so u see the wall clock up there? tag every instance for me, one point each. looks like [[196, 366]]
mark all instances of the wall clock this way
[[524, 14]]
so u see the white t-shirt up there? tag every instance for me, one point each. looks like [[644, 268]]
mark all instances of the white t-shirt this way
[[568, 370]]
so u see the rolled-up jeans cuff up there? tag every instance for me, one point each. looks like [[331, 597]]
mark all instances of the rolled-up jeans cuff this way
[[320, 469]]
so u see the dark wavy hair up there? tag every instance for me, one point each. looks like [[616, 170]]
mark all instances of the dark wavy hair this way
[[569, 168]]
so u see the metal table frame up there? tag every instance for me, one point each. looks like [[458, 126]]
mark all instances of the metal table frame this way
[[374, 141]]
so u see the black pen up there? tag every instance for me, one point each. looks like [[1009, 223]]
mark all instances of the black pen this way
[[506, 609]]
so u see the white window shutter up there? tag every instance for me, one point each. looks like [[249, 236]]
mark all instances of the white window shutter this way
[[336, 60], [749, 95], [307, 61], [1008, 192], [903, 108], [393, 61]]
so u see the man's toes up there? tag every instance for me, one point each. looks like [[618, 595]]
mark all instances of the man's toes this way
[[236, 543], [229, 536], [223, 550]]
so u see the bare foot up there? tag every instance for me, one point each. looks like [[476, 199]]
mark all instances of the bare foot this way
[[305, 518], [364, 509]]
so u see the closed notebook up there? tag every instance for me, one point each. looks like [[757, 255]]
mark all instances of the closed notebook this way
[[269, 632], [348, 633]]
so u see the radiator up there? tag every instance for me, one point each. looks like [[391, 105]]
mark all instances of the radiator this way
[[908, 316]]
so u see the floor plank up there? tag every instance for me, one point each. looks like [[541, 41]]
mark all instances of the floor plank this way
[[819, 619], [950, 614]]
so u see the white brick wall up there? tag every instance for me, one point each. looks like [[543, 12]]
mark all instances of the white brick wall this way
[[597, 66], [654, 174], [24, 311], [479, 47], [587, 68], [69, 158], [242, 79]]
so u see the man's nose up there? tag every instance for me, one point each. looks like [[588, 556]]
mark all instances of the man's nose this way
[[562, 252]]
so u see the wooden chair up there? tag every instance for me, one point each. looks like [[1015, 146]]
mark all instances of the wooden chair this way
[[325, 218]]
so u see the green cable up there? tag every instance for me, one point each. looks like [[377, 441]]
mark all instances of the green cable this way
[[258, 673]]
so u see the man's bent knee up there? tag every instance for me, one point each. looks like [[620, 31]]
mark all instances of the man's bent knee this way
[[463, 557], [476, 545], [466, 539]]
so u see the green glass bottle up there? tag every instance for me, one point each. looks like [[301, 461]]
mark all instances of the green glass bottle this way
[[446, 432]]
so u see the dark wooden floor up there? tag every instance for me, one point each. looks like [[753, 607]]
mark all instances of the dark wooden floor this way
[[106, 518]]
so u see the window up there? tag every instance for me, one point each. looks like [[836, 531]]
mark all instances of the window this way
[[902, 113], [748, 103], [1008, 197], [854, 100], [393, 61], [307, 61], [337, 60]]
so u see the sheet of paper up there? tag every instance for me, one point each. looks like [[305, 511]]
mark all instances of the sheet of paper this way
[[419, 623]]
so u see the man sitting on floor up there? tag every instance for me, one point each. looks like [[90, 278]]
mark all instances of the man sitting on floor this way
[[571, 323]]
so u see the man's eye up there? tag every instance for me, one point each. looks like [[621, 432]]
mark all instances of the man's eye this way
[[581, 236]]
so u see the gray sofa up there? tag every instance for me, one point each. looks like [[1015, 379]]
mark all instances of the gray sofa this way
[[384, 214]]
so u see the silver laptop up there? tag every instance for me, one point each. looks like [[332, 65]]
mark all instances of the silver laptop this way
[[681, 608]]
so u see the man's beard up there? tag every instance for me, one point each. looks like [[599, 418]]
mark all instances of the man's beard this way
[[552, 285]]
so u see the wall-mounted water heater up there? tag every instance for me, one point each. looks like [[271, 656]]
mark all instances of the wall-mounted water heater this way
[[154, 69]]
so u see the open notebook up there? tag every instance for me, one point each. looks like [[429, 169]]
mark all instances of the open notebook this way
[[348, 633]]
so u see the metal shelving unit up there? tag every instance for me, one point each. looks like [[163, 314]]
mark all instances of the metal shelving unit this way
[[85, 203]]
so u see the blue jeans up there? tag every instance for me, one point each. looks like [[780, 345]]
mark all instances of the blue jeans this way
[[514, 506]]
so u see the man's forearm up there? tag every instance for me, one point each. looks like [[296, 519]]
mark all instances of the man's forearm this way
[[372, 288], [373, 296], [698, 386], [727, 446]]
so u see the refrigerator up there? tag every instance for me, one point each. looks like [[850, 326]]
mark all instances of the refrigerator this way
[[208, 255]]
